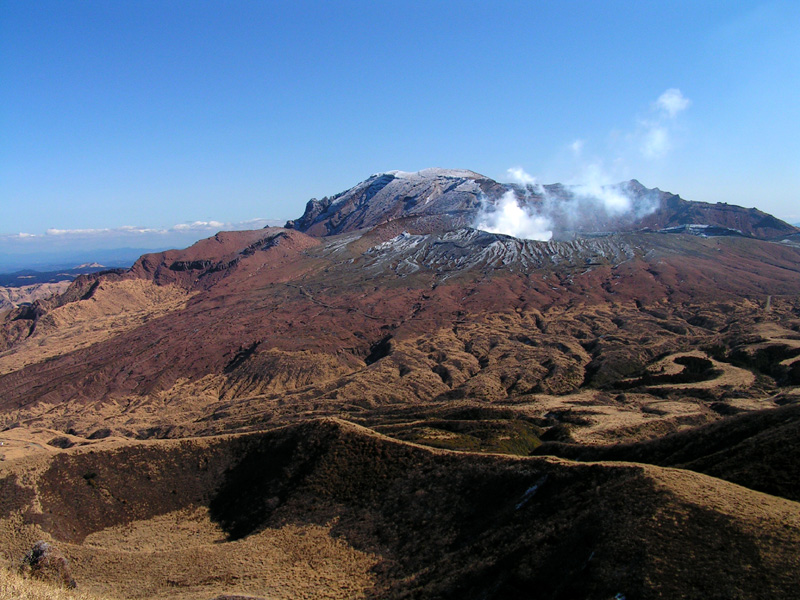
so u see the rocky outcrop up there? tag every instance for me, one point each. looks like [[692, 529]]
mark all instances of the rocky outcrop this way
[[396, 194], [45, 562]]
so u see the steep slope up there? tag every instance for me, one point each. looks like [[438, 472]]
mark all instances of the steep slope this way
[[454, 196], [382, 519]]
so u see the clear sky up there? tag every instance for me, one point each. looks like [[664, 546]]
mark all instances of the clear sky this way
[[153, 114]]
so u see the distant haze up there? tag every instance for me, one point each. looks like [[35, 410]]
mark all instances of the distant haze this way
[[120, 246]]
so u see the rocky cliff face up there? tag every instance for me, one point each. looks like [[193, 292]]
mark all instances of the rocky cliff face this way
[[456, 194]]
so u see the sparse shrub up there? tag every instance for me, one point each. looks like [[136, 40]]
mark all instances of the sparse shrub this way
[[46, 563], [61, 442]]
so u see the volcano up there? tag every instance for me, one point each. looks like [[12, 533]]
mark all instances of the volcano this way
[[382, 400], [437, 199]]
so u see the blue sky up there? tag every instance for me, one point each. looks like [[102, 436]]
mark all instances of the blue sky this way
[[155, 114]]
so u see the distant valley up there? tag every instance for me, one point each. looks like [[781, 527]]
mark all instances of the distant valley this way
[[29, 277], [12, 296], [25, 287]]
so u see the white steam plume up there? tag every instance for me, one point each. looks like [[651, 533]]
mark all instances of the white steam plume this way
[[533, 211], [598, 194], [656, 132], [591, 205], [509, 218], [518, 175]]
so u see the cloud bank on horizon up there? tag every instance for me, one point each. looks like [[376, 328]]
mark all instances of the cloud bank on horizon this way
[[27, 250], [594, 189], [128, 231]]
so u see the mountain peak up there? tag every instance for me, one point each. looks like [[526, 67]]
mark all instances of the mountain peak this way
[[434, 172], [452, 195]]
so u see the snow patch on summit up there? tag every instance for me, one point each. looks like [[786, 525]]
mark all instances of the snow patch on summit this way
[[433, 172]]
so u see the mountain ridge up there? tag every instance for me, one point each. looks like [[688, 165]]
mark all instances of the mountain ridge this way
[[457, 197]]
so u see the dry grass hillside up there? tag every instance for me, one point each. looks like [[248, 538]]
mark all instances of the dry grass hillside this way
[[326, 509], [112, 308], [11, 297], [14, 586]]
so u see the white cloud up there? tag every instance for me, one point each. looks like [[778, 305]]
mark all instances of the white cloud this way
[[59, 232], [135, 230], [56, 244], [672, 102], [577, 148], [258, 223], [199, 225]]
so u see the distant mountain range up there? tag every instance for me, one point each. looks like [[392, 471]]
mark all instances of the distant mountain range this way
[[29, 276], [53, 261]]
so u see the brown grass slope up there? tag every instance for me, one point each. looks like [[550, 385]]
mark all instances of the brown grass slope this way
[[14, 586], [759, 450], [276, 312], [437, 524]]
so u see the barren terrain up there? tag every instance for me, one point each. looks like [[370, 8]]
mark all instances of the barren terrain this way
[[398, 406], [11, 297]]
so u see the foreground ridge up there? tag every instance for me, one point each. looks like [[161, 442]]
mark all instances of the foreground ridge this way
[[404, 518]]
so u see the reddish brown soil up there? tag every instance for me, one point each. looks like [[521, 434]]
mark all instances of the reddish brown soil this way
[[652, 342], [294, 315]]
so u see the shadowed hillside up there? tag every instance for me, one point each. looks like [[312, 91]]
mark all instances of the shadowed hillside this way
[[388, 519]]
